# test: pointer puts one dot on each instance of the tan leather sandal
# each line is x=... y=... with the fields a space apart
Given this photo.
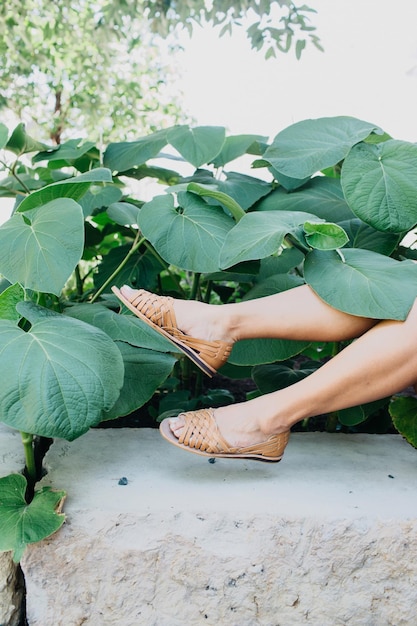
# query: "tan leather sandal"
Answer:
x=158 y=312
x=202 y=436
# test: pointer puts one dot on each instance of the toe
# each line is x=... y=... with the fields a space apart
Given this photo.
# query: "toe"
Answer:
x=176 y=425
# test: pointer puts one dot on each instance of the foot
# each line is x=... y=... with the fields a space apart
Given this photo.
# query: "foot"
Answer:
x=197 y=319
x=239 y=425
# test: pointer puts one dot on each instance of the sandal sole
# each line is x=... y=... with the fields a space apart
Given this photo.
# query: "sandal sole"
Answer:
x=205 y=367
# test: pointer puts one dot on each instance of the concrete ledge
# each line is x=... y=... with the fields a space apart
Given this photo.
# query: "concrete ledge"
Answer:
x=327 y=536
x=11 y=592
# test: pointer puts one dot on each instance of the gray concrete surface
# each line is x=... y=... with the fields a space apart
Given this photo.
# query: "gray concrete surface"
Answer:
x=327 y=536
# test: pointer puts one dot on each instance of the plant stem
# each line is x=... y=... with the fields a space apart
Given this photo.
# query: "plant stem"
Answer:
x=195 y=286
x=27 y=440
x=135 y=246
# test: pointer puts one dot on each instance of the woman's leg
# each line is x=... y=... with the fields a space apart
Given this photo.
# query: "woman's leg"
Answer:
x=294 y=314
x=381 y=362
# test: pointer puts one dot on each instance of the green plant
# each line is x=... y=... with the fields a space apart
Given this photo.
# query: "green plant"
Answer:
x=336 y=200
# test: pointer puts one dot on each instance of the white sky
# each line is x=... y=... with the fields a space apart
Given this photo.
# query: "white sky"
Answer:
x=368 y=70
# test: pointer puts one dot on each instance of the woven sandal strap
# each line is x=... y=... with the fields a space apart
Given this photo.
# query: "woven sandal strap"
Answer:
x=201 y=433
x=158 y=309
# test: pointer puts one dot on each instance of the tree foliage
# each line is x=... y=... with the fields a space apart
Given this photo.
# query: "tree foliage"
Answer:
x=106 y=65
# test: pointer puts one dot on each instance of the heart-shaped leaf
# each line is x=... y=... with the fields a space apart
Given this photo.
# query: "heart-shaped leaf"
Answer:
x=260 y=234
x=363 y=283
x=190 y=236
x=59 y=377
x=197 y=145
x=304 y=148
x=22 y=523
x=40 y=249
x=380 y=184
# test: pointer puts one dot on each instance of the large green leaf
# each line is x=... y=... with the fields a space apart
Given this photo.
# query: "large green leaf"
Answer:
x=74 y=188
x=126 y=154
x=363 y=283
x=59 y=377
x=41 y=249
x=22 y=523
x=234 y=147
x=260 y=234
x=145 y=371
x=197 y=145
x=304 y=148
x=380 y=184
x=403 y=411
x=322 y=196
x=190 y=236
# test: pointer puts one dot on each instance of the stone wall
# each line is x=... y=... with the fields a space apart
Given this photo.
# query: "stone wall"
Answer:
x=326 y=537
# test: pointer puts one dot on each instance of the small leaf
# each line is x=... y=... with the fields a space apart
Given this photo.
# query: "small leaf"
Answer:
x=325 y=236
x=403 y=411
x=22 y=523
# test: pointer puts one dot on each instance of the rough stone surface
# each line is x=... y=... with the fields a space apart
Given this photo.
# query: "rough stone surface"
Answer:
x=327 y=537
x=11 y=590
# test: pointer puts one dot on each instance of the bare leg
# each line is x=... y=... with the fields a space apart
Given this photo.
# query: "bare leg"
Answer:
x=381 y=362
x=294 y=314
